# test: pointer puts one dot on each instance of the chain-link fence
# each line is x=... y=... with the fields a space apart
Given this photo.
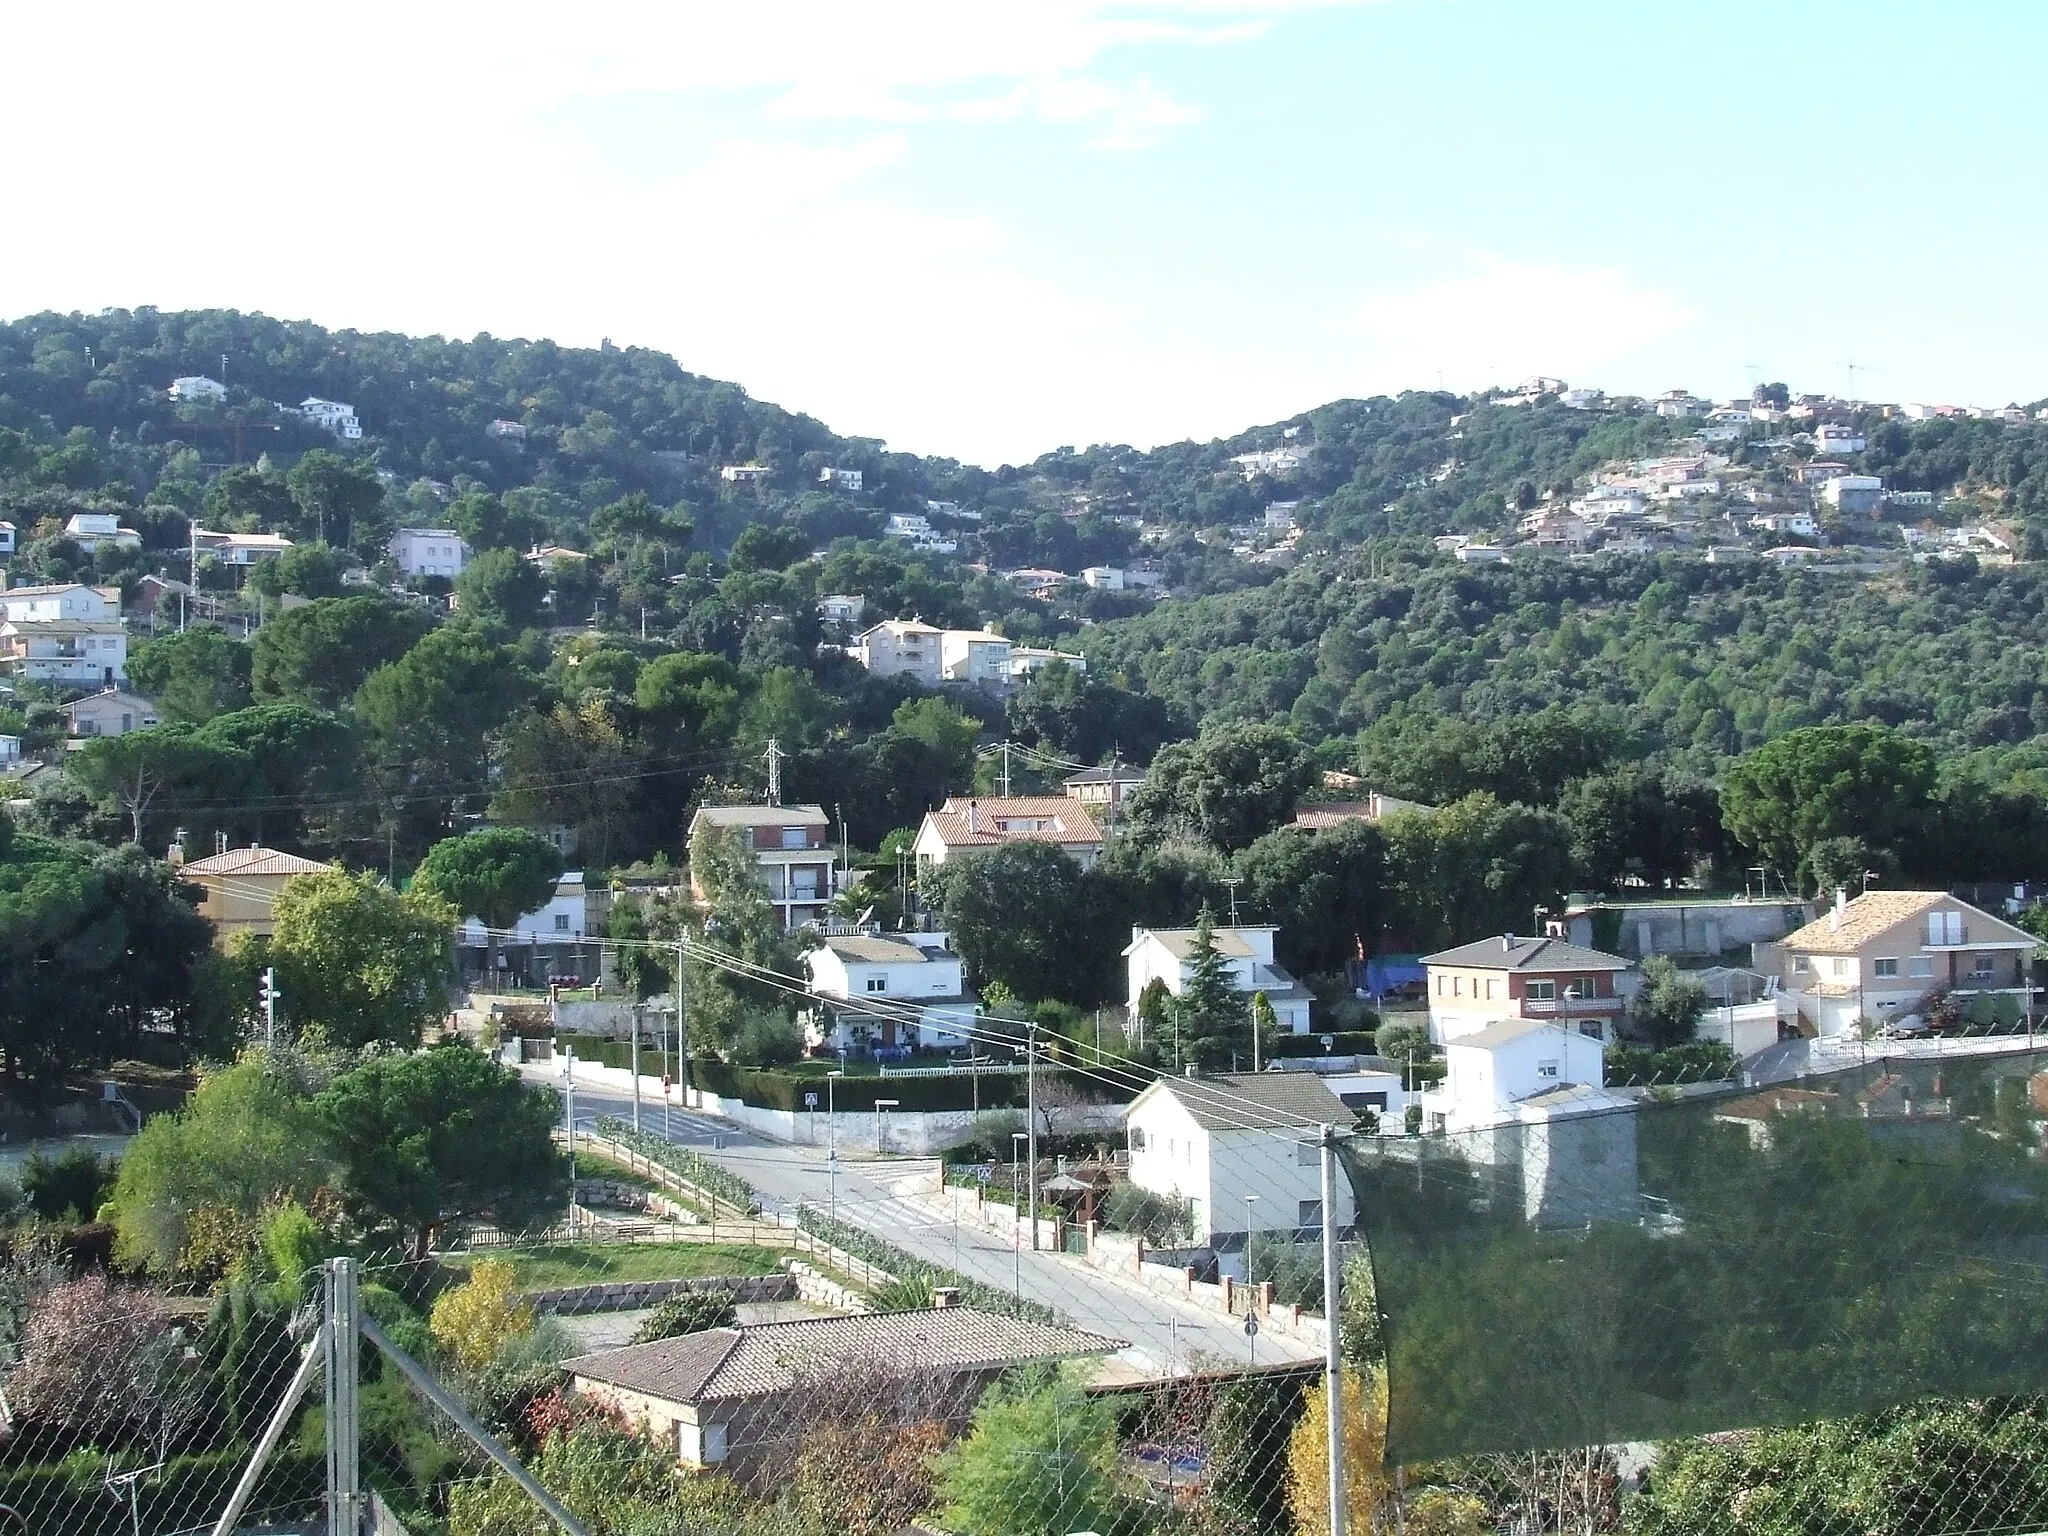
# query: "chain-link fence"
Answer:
x=1813 y=1306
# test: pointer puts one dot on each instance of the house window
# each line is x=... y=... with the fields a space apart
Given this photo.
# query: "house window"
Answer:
x=1981 y=967
x=1801 y=965
x=1489 y=989
x=1944 y=928
x=1547 y=1068
x=1308 y=1213
x=1457 y=986
x=1580 y=986
x=1307 y=1154
x=1839 y=966
x=1591 y=1029
x=1885 y=965
x=1542 y=990
x=1920 y=965
x=561 y=922
x=795 y=837
x=1137 y=1138
x=878 y=983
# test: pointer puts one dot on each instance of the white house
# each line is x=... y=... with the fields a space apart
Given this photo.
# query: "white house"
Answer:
x=841 y=479
x=1481 y=554
x=1365 y=1084
x=75 y=653
x=968 y=824
x=742 y=474
x=110 y=712
x=901 y=648
x=240 y=549
x=7 y=531
x=974 y=656
x=1830 y=437
x=1104 y=578
x=842 y=608
x=1492 y=1070
x=90 y=530
x=1272 y=461
x=1105 y=786
x=335 y=416
x=507 y=431
x=197 y=386
x=1853 y=493
x=1215 y=1140
x=1581 y=399
x=1167 y=955
x=65 y=600
x=1280 y=515
x=429 y=551
x=913 y=976
x=558 y=924
x=1798 y=523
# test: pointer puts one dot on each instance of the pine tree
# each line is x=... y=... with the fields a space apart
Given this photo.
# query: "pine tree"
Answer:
x=1211 y=1017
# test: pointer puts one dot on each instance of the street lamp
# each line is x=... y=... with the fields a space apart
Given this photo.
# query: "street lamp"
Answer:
x=1248 y=1201
x=1016 y=1243
x=832 y=1137
x=880 y=1105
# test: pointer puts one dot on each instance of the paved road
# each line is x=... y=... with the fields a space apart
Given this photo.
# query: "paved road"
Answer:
x=1166 y=1336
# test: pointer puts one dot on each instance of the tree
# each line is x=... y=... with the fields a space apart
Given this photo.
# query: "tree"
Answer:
x=297 y=758
x=306 y=570
x=577 y=766
x=691 y=697
x=244 y=1141
x=99 y=1364
x=472 y=1321
x=320 y=654
x=1476 y=866
x=1211 y=1019
x=1018 y=915
x=443 y=1136
x=503 y=586
x=1040 y=1457
x=363 y=962
x=193 y=675
x=334 y=493
x=641 y=967
x=1265 y=1026
x=1628 y=822
x=1366 y=1485
x=1227 y=786
x=137 y=768
x=1667 y=1006
x=1327 y=891
x=1862 y=781
x=495 y=874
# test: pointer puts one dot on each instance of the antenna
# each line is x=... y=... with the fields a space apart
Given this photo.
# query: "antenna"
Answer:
x=773 y=757
x=1234 y=882
x=1855 y=368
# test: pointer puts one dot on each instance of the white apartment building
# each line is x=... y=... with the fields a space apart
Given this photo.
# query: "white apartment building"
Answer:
x=976 y=656
x=792 y=849
x=841 y=479
x=66 y=600
x=336 y=416
x=71 y=653
x=429 y=551
x=1026 y=661
x=902 y=648
x=1831 y=437
x=90 y=530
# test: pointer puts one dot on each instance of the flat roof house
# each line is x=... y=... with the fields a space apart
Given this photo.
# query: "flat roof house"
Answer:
x=1107 y=785
x=1509 y=977
x=1211 y=1140
x=792 y=848
x=734 y=1398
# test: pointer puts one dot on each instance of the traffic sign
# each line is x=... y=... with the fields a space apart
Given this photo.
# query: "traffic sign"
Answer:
x=810 y=1101
x=1251 y=1326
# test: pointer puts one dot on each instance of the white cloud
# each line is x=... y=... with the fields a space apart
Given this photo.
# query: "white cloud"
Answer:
x=1504 y=320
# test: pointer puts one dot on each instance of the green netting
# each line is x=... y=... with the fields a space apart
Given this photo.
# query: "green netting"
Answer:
x=1634 y=1272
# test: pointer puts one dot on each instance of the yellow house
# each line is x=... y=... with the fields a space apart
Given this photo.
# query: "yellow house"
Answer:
x=242 y=887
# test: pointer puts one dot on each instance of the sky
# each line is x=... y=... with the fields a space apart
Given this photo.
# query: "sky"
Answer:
x=987 y=228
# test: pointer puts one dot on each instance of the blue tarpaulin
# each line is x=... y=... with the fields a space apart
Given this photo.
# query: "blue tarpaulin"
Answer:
x=1383 y=973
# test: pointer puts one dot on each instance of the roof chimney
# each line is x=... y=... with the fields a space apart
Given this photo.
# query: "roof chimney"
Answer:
x=945 y=1296
x=1507 y=941
x=974 y=816
x=1841 y=906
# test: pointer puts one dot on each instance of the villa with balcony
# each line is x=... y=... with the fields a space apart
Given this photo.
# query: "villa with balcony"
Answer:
x=1889 y=957
x=792 y=848
x=1513 y=977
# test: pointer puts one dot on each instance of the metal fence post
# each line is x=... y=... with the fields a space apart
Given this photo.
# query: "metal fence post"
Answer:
x=344 y=1492
x=1333 y=1356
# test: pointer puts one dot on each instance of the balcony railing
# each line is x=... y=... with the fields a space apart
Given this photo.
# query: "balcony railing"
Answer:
x=1542 y=1007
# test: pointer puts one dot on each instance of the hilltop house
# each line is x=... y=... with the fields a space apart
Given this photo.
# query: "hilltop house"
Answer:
x=1888 y=956
x=110 y=712
x=1105 y=786
x=239 y=549
x=1212 y=1140
x=197 y=386
x=1166 y=955
x=1478 y=984
x=976 y=656
x=429 y=551
x=889 y=990
x=792 y=848
x=93 y=530
x=901 y=648
x=65 y=600
x=1375 y=808
x=336 y=416
x=968 y=824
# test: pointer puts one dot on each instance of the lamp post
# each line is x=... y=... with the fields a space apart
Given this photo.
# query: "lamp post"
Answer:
x=1016 y=1243
x=1248 y=1202
x=832 y=1137
x=880 y=1105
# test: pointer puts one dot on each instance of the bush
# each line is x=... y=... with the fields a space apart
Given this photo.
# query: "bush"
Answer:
x=68 y=1188
x=472 y=1321
x=1696 y=1061
x=768 y=1040
x=1159 y=1219
x=687 y=1312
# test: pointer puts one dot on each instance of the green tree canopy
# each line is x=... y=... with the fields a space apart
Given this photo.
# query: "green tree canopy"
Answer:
x=333 y=494
x=1039 y=1458
x=363 y=962
x=503 y=586
x=320 y=654
x=1228 y=786
x=443 y=1135
x=1829 y=781
x=495 y=874
x=192 y=675
x=306 y=570
x=1019 y=918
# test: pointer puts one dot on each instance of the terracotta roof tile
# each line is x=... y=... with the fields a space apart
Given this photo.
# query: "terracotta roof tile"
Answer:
x=1071 y=825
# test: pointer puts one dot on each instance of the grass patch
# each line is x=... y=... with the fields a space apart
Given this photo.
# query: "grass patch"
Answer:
x=595 y=1165
x=564 y=1264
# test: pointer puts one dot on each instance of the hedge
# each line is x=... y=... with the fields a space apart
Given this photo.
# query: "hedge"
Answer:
x=71 y=1495
x=698 y=1169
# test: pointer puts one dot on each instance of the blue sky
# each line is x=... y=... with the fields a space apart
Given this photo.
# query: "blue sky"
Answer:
x=989 y=228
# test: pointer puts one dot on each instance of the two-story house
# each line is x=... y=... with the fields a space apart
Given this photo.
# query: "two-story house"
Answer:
x=92 y=530
x=1166 y=955
x=429 y=552
x=65 y=600
x=1511 y=977
x=1888 y=955
x=976 y=656
x=1214 y=1140
x=69 y=653
x=967 y=824
x=1105 y=786
x=792 y=848
x=110 y=712
x=241 y=887
x=887 y=990
x=901 y=648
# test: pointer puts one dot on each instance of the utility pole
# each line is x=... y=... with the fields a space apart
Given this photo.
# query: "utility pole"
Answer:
x=569 y=1111
x=636 y=1069
x=267 y=991
x=773 y=757
x=191 y=570
x=1031 y=1122
x=1006 y=770
x=1333 y=1357
x=344 y=1486
x=682 y=1032
x=1233 y=883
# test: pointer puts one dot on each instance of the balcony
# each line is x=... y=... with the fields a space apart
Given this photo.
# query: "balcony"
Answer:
x=1570 y=1007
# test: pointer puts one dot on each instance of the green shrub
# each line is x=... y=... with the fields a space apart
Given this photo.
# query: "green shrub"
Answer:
x=1159 y=1219
x=68 y=1187
x=687 y=1312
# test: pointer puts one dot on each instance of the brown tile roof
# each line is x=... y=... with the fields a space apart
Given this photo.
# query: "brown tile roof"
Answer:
x=771 y=1357
x=253 y=861
x=1072 y=826
x=1509 y=953
x=1875 y=913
